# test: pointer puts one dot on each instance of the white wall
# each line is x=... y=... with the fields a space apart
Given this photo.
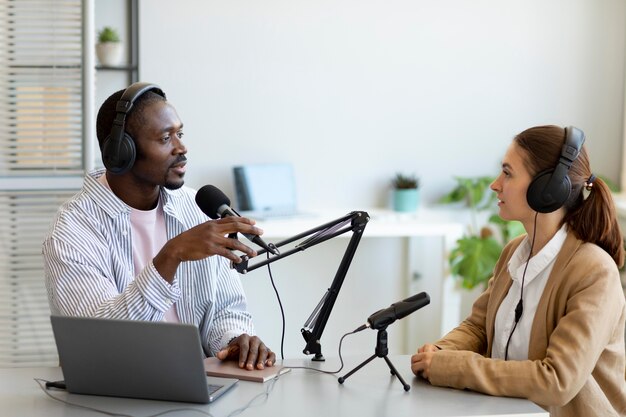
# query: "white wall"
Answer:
x=351 y=91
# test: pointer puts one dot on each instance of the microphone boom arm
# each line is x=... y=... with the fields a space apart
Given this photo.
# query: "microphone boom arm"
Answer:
x=314 y=327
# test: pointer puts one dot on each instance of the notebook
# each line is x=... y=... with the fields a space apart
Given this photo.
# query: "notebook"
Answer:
x=266 y=191
x=216 y=367
x=136 y=359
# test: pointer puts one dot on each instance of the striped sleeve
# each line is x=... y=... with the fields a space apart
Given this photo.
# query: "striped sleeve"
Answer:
x=82 y=280
x=88 y=268
x=231 y=317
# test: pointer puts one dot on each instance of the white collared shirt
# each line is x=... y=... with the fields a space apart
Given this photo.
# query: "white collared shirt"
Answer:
x=539 y=269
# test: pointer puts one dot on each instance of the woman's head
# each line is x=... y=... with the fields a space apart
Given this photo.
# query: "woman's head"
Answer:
x=593 y=219
x=548 y=152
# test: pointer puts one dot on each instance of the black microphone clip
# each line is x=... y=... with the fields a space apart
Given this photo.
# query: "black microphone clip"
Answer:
x=241 y=267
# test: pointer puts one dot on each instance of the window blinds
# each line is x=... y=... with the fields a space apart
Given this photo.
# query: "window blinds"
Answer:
x=25 y=332
x=41 y=82
x=41 y=129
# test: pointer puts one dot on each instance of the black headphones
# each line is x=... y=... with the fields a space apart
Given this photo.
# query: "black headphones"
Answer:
x=551 y=188
x=118 y=150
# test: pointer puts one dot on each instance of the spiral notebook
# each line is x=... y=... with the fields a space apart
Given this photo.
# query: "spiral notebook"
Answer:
x=231 y=369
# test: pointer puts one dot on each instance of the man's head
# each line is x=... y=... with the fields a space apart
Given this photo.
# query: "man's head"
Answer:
x=116 y=145
x=144 y=141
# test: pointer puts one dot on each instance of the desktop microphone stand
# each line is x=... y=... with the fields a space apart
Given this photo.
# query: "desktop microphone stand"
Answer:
x=315 y=324
x=381 y=351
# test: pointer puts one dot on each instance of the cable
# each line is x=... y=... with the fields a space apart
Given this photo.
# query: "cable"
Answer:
x=519 y=309
x=265 y=395
x=340 y=357
x=282 y=312
x=269 y=388
x=282 y=339
x=41 y=382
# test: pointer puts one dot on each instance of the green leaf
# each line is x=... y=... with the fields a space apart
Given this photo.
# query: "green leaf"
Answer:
x=474 y=257
x=473 y=260
x=513 y=230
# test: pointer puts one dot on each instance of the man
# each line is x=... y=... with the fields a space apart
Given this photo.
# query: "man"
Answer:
x=132 y=244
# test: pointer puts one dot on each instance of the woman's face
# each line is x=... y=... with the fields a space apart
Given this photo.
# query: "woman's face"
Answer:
x=511 y=185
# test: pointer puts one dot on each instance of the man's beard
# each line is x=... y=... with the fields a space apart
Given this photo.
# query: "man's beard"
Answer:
x=173 y=185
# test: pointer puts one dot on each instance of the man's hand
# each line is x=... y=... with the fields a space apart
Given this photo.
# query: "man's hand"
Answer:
x=206 y=239
x=250 y=351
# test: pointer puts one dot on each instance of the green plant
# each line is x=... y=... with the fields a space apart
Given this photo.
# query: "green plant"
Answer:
x=403 y=182
x=108 y=34
x=476 y=254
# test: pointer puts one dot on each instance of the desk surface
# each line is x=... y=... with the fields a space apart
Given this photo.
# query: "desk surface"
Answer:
x=383 y=223
x=371 y=391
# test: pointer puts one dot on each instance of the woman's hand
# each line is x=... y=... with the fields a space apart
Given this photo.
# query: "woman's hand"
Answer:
x=420 y=362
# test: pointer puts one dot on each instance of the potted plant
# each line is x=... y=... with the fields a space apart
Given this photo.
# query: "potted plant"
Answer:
x=109 y=47
x=476 y=253
x=405 y=192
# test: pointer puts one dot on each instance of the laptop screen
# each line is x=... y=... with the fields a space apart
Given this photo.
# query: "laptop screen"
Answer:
x=265 y=187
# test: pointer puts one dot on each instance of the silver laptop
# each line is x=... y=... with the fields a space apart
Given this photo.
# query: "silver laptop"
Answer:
x=136 y=359
x=266 y=191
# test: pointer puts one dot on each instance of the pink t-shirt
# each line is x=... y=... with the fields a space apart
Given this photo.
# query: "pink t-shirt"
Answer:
x=149 y=235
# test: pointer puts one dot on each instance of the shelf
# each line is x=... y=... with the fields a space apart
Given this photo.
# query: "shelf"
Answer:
x=128 y=15
x=117 y=68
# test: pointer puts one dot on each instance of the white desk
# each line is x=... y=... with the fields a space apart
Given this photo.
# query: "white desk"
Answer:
x=369 y=392
x=400 y=255
x=383 y=223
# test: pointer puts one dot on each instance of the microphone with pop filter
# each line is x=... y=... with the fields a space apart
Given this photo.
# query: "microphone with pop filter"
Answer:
x=215 y=204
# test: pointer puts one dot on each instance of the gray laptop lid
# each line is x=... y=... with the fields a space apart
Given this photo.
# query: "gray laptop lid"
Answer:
x=265 y=189
x=137 y=359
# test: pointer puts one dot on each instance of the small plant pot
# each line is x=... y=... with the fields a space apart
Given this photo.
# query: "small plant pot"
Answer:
x=109 y=53
x=405 y=200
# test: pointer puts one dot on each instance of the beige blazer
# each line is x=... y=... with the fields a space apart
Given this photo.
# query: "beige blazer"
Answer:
x=576 y=364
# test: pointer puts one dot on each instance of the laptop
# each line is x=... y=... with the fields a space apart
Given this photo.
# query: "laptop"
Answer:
x=266 y=191
x=135 y=359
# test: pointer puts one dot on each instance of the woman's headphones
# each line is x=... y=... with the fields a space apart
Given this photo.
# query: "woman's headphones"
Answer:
x=118 y=150
x=551 y=188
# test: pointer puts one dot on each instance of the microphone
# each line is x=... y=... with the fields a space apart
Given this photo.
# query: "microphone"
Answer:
x=214 y=203
x=386 y=316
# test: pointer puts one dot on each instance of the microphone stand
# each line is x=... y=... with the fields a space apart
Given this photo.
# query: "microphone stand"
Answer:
x=381 y=351
x=314 y=326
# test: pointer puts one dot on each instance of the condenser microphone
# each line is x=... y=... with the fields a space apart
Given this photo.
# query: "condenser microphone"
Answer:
x=214 y=203
x=396 y=311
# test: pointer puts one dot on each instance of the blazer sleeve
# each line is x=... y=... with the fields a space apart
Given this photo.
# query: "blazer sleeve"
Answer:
x=471 y=334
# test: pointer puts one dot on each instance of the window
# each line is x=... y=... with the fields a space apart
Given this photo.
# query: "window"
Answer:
x=42 y=160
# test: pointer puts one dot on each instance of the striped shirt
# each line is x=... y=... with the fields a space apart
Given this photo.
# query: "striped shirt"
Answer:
x=88 y=264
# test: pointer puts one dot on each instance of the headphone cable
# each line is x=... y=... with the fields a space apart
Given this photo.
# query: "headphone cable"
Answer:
x=519 y=309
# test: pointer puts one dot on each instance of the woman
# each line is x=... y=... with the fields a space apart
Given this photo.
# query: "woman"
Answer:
x=550 y=326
